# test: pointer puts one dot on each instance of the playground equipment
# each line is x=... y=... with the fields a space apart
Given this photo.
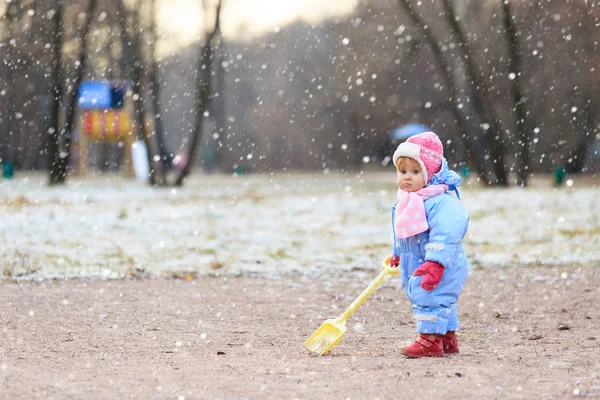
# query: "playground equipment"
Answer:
x=105 y=116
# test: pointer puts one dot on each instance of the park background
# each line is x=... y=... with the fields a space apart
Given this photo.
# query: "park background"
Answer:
x=261 y=206
x=301 y=86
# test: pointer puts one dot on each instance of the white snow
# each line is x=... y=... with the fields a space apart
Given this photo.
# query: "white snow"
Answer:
x=113 y=227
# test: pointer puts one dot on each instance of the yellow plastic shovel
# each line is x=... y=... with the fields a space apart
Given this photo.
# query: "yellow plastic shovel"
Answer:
x=330 y=333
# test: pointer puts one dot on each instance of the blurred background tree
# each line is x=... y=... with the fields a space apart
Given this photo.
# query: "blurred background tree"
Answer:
x=321 y=95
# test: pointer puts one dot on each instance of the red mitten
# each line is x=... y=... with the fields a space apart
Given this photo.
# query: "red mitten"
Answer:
x=433 y=274
x=395 y=261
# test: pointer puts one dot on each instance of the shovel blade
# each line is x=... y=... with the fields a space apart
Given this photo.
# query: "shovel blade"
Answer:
x=325 y=338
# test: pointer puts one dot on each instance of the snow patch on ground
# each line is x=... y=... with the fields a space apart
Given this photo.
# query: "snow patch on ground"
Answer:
x=111 y=227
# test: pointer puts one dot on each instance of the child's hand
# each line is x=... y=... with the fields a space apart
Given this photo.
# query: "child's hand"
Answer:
x=433 y=274
x=395 y=261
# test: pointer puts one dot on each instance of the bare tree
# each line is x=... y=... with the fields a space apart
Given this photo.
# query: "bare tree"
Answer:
x=56 y=77
x=122 y=18
x=472 y=154
x=203 y=91
x=165 y=160
x=17 y=66
x=3 y=79
x=586 y=117
x=58 y=172
x=11 y=61
x=482 y=104
x=519 y=100
x=138 y=74
x=218 y=105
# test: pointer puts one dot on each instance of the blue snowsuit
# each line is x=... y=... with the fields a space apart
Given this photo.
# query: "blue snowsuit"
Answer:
x=435 y=310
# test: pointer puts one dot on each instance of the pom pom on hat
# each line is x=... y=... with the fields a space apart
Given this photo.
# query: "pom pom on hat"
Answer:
x=426 y=149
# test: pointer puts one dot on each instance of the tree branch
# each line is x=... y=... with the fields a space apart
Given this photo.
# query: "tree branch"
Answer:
x=202 y=95
x=446 y=69
x=481 y=100
x=519 y=101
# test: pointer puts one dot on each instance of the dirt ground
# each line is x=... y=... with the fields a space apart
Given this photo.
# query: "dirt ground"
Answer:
x=526 y=333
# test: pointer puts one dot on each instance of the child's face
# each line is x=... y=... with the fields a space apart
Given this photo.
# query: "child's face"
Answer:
x=410 y=177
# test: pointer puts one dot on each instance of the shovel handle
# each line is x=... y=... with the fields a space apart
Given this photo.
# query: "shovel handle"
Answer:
x=382 y=277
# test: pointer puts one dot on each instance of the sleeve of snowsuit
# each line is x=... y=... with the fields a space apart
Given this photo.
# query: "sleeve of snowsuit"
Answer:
x=448 y=223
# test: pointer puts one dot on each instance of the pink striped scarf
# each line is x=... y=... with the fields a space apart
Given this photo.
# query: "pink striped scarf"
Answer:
x=410 y=218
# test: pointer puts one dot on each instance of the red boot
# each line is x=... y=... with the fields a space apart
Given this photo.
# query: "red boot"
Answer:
x=450 y=342
x=425 y=346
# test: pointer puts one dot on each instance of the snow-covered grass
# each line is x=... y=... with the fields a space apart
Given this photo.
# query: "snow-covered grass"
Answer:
x=112 y=227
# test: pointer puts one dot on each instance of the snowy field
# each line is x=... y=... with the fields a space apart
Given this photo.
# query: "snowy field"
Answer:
x=112 y=227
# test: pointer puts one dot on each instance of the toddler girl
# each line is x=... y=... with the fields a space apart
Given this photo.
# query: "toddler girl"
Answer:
x=428 y=225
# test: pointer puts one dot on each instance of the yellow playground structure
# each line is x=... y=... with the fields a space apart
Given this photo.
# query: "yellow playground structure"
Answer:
x=105 y=126
x=105 y=115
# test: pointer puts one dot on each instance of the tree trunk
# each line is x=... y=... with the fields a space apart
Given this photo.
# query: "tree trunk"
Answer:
x=3 y=83
x=585 y=122
x=165 y=159
x=482 y=104
x=218 y=105
x=203 y=84
x=478 y=164
x=57 y=73
x=66 y=133
x=125 y=60
x=138 y=73
x=11 y=57
x=519 y=101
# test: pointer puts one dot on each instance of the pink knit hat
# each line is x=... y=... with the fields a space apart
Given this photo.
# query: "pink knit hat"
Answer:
x=426 y=149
